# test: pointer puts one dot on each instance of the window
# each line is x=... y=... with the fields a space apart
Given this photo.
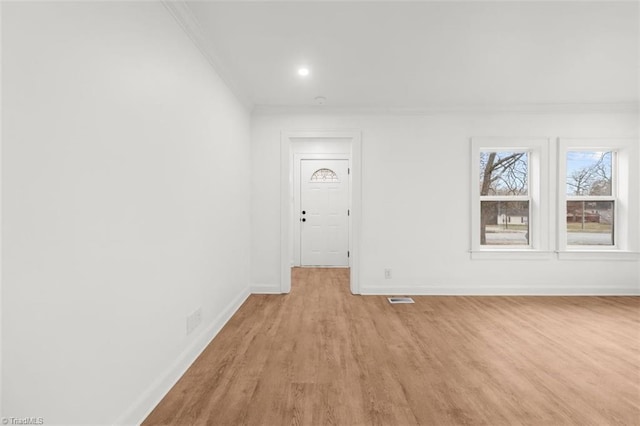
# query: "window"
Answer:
x=324 y=175
x=504 y=198
x=597 y=210
x=508 y=207
x=594 y=196
x=590 y=205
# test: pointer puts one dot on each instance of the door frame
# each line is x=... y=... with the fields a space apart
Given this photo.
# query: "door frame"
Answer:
x=297 y=199
x=287 y=191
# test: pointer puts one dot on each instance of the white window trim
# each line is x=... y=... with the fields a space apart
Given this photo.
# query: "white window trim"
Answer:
x=539 y=223
x=626 y=210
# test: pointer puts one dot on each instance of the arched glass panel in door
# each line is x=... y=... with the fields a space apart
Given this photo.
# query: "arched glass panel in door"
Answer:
x=324 y=175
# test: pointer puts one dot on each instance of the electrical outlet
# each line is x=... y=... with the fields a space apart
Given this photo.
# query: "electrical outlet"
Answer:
x=193 y=320
x=387 y=274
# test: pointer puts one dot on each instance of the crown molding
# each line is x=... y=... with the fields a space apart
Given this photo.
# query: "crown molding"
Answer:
x=184 y=16
x=405 y=1
x=549 y=108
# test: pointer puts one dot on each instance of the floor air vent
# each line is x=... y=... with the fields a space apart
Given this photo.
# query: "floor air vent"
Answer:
x=394 y=300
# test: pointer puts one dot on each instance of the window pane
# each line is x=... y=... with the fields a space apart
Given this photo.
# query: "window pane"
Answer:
x=324 y=175
x=590 y=223
x=504 y=223
x=588 y=173
x=504 y=173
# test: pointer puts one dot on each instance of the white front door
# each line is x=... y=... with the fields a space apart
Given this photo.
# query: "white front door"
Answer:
x=324 y=220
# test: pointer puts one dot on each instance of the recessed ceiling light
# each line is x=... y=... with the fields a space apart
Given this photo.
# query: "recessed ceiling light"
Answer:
x=303 y=72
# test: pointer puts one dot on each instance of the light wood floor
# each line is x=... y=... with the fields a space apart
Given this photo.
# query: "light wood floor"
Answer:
x=322 y=356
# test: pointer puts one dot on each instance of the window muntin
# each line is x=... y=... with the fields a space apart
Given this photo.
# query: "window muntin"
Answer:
x=590 y=198
x=505 y=204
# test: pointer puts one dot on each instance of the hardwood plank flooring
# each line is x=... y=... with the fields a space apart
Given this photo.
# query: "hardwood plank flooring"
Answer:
x=321 y=356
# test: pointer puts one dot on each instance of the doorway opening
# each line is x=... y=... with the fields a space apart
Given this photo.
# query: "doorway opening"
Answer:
x=320 y=203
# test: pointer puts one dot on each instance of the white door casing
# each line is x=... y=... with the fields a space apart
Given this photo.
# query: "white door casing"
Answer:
x=289 y=216
x=324 y=206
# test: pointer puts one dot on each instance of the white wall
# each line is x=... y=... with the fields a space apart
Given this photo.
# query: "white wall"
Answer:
x=125 y=184
x=416 y=203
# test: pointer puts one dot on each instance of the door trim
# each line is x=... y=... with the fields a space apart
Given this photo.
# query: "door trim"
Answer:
x=287 y=167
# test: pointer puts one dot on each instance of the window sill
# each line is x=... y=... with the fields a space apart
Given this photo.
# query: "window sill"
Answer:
x=598 y=255
x=511 y=254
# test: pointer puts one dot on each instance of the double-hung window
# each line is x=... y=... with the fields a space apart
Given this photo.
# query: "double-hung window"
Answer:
x=508 y=180
x=505 y=202
x=594 y=197
x=596 y=210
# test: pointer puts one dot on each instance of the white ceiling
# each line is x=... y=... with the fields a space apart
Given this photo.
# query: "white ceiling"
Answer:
x=425 y=54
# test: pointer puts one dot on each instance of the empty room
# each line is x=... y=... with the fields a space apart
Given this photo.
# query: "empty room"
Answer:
x=320 y=212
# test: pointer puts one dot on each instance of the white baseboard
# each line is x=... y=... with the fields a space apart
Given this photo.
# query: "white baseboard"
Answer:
x=497 y=291
x=143 y=406
x=265 y=289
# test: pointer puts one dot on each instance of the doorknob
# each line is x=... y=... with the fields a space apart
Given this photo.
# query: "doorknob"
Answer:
x=304 y=212
x=304 y=220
